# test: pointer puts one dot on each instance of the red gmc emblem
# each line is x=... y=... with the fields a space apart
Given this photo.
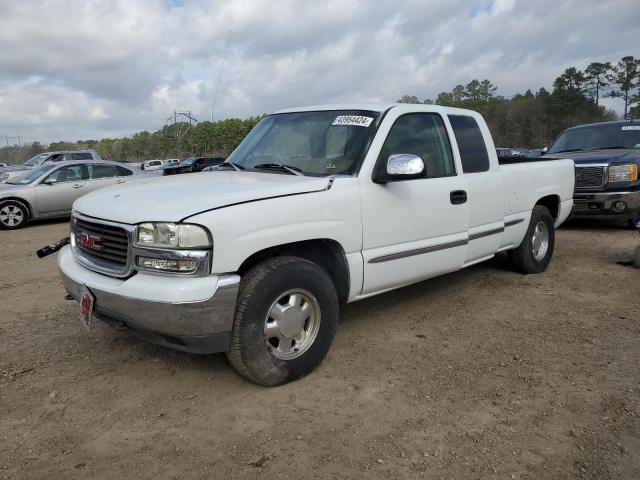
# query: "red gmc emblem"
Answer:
x=89 y=241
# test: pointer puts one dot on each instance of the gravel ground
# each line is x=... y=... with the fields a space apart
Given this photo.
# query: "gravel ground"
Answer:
x=483 y=373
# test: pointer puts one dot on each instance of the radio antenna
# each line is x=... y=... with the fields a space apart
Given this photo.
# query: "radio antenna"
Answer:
x=215 y=95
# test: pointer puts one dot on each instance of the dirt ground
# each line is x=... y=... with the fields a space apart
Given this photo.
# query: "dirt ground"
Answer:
x=484 y=373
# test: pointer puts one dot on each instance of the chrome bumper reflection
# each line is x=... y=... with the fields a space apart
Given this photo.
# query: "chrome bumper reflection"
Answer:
x=211 y=316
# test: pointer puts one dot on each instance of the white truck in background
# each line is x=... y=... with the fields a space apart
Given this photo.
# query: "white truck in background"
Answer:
x=318 y=206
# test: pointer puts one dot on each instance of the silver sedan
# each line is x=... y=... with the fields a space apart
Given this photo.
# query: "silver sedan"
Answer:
x=49 y=191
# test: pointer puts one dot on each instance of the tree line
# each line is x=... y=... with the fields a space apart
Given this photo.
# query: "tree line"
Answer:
x=525 y=120
x=534 y=119
x=176 y=140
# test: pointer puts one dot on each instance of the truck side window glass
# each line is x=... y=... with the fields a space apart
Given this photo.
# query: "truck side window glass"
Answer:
x=473 y=151
x=424 y=135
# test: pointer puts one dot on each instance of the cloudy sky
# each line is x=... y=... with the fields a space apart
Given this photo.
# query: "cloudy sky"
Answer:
x=77 y=69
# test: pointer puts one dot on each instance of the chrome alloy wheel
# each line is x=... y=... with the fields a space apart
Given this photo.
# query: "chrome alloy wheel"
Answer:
x=540 y=241
x=11 y=215
x=292 y=324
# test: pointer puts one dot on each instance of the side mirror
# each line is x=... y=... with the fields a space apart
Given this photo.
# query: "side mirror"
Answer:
x=50 y=181
x=401 y=166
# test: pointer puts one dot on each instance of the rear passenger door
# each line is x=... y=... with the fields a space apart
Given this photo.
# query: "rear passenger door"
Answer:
x=485 y=191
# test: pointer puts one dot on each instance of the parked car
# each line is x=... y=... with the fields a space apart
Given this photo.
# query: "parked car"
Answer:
x=536 y=152
x=49 y=190
x=79 y=155
x=2 y=164
x=171 y=162
x=152 y=165
x=607 y=158
x=506 y=152
x=316 y=207
x=194 y=164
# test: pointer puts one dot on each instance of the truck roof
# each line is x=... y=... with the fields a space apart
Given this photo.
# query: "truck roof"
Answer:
x=374 y=107
x=607 y=124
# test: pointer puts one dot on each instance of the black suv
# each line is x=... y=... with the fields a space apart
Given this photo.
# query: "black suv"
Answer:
x=194 y=164
x=607 y=158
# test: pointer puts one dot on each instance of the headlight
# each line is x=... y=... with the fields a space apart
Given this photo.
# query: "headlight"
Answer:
x=172 y=235
x=176 y=248
x=623 y=173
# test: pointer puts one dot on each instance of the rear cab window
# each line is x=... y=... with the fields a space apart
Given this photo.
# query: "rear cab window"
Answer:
x=471 y=144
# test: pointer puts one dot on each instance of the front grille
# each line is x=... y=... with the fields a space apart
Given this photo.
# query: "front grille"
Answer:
x=590 y=177
x=110 y=252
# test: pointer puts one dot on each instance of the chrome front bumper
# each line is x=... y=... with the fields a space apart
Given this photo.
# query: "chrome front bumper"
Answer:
x=601 y=203
x=188 y=314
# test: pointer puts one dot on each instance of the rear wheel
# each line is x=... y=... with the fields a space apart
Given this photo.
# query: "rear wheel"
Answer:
x=13 y=215
x=535 y=252
x=285 y=321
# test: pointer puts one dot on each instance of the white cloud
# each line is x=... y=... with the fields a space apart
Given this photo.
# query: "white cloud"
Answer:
x=96 y=68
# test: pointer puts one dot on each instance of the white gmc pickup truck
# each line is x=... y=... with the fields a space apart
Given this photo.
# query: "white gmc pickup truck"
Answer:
x=318 y=206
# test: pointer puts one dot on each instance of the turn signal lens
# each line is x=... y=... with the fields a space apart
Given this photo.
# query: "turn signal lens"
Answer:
x=167 y=265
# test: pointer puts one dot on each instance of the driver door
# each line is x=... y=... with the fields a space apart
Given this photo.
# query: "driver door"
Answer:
x=57 y=192
x=414 y=229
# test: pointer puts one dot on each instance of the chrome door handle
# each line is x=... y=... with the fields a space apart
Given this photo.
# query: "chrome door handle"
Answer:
x=120 y=181
x=78 y=186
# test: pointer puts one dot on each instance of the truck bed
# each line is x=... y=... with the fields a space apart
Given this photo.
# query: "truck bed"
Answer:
x=518 y=159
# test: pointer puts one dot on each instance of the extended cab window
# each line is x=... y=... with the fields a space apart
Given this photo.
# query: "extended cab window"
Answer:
x=124 y=172
x=424 y=135
x=473 y=150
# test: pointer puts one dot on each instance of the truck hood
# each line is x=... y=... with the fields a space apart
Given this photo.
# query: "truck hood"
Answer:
x=613 y=156
x=174 y=198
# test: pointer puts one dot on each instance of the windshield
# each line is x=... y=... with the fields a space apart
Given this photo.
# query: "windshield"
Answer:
x=188 y=161
x=315 y=143
x=33 y=161
x=32 y=175
x=597 y=137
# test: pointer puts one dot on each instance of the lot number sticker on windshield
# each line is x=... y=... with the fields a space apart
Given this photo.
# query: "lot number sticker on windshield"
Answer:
x=628 y=127
x=355 y=120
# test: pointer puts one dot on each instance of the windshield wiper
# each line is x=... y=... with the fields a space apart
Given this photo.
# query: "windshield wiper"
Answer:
x=236 y=166
x=279 y=166
x=614 y=147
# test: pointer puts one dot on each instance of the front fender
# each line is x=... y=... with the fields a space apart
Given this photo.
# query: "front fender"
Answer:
x=239 y=231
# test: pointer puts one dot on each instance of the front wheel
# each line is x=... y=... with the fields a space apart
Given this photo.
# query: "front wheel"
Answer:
x=13 y=215
x=285 y=321
x=535 y=252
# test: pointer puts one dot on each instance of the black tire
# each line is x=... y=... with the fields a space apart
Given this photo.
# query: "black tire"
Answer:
x=523 y=258
x=13 y=215
x=265 y=283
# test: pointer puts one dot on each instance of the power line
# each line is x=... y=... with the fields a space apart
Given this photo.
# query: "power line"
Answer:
x=224 y=58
